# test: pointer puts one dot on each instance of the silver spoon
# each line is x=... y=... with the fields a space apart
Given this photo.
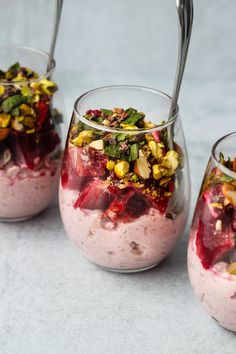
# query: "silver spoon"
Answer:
x=59 y=4
x=185 y=13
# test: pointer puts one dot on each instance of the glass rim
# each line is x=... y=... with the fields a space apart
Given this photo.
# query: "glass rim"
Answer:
x=120 y=130
x=32 y=50
x=216 y=160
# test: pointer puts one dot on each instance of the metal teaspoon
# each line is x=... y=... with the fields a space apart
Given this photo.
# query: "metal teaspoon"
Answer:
x=185 y=13
x=59 y=4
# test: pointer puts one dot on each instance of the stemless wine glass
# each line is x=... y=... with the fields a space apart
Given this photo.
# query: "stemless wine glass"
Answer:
x=212 y=243
x=30 y=151
x=124 y=191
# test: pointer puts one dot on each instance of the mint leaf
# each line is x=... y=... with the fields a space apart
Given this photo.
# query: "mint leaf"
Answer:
x=108 y=112
x=120 y=137
x=113 y=151
x=226 y=179
x=14 y=68
x=12 y=102
x=129 y=111
x=134 y=118
x=99 y=120
x=133 y=152
x=221 y=158
x=15 y=112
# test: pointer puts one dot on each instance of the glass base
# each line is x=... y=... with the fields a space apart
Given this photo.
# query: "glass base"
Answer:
x=23 y=218
x=128 y=271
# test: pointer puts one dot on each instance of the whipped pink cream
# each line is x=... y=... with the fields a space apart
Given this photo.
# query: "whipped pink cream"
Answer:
x=135 y=245
x=215 y=288
x=24 y=193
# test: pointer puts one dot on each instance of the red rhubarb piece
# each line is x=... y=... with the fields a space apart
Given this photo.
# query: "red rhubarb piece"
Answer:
x=87 y=162
x=127 y=206
x=212 y=246
x=157 y=136
x=94 y=196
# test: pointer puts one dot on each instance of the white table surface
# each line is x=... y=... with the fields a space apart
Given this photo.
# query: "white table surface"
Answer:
x=52 y=300
x=55 y=301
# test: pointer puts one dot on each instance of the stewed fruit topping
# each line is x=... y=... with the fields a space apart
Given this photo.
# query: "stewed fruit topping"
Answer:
x=216 y=209
x=27 y=120
x=122 y=173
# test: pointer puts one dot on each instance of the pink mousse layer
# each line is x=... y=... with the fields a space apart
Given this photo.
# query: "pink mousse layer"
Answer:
x=141 y=243
x=24 y=193
x=215 y=288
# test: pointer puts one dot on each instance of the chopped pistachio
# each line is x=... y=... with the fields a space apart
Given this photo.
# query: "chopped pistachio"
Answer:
x=106 y=122
x=2 y=90
x=156 y=172
x=84 y=137
x=5 y=158
x=217 y=205
x=4 y=133
x=19 y=77
x=27 y=110
x=128 y=126
x=172 y=157
x=4 y=120
x=148 y=125
x=218 y=225
x=118 y=110
x=36 y=98
x=141 y=168
x=155 y=149
x=145 y=151
x=226 y=202
x=121 y=168
x=229 y=191
x=110 y=165
x=97 y=144
x=232 y=268
x=29 y=121
x=167 y=194
x=26 y=91
x=149 y=137
x=47 y=86
x=17 y=125
x=161 y=145
x=165 y=181
x=30 y=131
x=36 y=87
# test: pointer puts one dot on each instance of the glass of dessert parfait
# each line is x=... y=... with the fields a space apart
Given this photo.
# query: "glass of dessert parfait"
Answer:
x=29 y=137
x=124 y=190
x=212 y=243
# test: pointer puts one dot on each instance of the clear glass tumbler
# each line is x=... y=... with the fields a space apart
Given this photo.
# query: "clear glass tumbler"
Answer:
x=30 y=150
x=212 y=243
x=124 y=190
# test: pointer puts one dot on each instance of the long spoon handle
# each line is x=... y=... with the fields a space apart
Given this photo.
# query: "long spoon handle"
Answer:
x=185 y=14
x=59 y=4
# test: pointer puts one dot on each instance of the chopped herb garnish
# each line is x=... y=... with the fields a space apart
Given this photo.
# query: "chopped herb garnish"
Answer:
x=113 y=151
x=107 y=112
x=121 y=137
x=221 y=158
x=13 y=101
x=134 y=118
x=226 y=179
x=14 y=69
x=133 y=152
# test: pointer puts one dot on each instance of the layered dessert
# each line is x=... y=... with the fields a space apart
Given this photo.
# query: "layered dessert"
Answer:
x=121 y=190
x=29 y=143
x=212 y=245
